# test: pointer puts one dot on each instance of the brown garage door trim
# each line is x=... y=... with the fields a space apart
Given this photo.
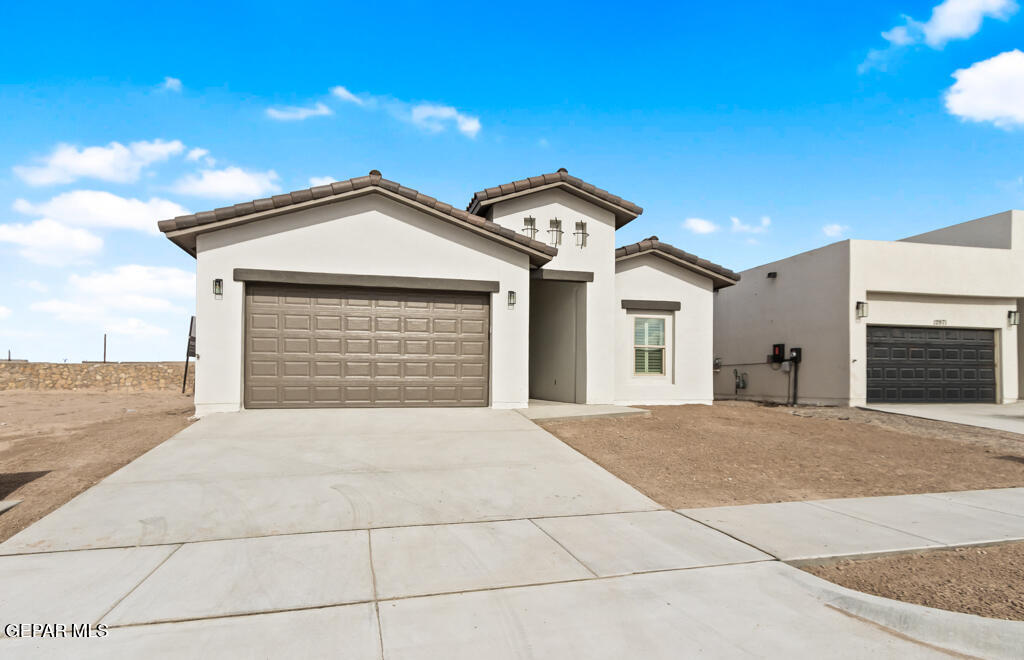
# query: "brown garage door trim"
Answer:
x=375 y=281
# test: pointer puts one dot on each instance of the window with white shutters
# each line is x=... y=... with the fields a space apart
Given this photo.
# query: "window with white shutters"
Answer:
x=648 y=346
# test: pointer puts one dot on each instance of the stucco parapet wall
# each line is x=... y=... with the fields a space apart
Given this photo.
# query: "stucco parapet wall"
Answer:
x=182 y=230
x=721 y=275
x=117 y=376
x=624 y=210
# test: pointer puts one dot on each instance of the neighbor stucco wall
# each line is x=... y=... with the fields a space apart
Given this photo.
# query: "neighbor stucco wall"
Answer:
x=805 y=306
x=688 y=333
x=993 y=231
x=369 y=235
x=597 y=257
x=917 y=284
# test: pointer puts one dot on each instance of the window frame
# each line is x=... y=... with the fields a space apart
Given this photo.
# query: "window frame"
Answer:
x=663 y=347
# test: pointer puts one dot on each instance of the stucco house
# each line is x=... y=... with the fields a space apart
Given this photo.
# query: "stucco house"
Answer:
x=930 y=318
x=367 y=293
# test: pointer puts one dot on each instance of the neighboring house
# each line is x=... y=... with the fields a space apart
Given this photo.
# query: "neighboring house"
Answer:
x=367 y=293
x=931 y=318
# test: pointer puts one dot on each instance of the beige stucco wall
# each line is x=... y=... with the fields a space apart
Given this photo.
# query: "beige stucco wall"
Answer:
x=805 y=306
x=916 y=282
x=688 y=333
x=999 y=230
x=369 y=235
x=910 y=283
x=597 y=257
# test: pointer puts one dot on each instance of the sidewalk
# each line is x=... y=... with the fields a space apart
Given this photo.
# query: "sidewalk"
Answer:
x=861 y=526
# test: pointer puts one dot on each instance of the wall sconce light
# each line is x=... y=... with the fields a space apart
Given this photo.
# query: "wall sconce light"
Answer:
x=581 y=234
x=1013 y=317
x=511 y=299
x=862 y=310
x=772 y=275
x=218 y=288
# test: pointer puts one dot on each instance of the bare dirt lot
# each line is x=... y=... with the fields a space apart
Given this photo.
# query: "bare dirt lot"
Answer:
x=984 y=581
x=54 y=445
x=745 y=453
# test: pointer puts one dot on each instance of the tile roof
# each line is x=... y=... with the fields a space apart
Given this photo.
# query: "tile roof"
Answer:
x=624 y=210
x=374 y=179
x=725 y=277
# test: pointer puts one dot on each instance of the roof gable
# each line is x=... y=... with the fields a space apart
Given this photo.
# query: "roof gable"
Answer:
x=719 y=275
x=624 y=211
x=183 y=230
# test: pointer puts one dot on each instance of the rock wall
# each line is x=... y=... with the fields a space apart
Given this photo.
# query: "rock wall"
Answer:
x=119 y=376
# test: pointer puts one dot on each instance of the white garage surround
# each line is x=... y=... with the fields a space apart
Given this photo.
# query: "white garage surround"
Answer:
x=369 y=235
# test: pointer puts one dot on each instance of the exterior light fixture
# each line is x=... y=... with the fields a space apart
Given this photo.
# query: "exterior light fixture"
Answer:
x=530 y=226
x=1013 y=317
x=511 y=299
x=862 y=310
x=772 y=274
x=581 y=234
x=218 y=287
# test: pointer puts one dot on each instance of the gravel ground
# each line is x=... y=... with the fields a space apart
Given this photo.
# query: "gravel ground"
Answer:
x=988 y=581
x=745 y=453
x=54 y=445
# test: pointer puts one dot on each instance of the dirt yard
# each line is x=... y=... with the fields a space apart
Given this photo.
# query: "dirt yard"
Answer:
x=744 y=453
x=977 y=580
x=54 y=445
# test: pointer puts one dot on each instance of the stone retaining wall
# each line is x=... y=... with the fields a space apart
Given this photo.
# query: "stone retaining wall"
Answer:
x=119 y=376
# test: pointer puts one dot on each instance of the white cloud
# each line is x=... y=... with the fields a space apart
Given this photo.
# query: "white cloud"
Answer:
x=50 y=243
x=195 y=155
x=5 y=312
x=991 y=90
x=321 y=180
x=834 y=230
x=227 y=183
x=434 y=118
x=34 y=285
x=700 y=226
x=760 y=228
x=430 y=117
x=295 y=113
x=952 y=20
x=343 y=94
x=103 y=298
x=114 y=162
x=171 y=84
x=97 y=208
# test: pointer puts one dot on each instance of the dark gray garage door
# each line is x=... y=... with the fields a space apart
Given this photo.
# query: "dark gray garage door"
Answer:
x=917 y=365
x=325 y=347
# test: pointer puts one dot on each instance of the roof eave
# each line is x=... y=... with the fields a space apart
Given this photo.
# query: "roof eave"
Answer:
x=718 y=280
x=185 y=238
x=622 y=215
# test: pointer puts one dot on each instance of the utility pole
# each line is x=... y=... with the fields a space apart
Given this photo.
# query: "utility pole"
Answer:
x=104 y=348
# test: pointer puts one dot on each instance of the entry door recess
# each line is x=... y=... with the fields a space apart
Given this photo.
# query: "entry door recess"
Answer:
x=326 y=347
x=925 y=365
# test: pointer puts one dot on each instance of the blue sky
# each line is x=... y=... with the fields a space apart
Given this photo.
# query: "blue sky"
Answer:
x=747 y=133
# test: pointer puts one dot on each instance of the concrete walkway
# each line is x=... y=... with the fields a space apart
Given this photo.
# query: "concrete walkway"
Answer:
x=1002 y=417
x=539 y=410
x=863 y=526
x=412 y=534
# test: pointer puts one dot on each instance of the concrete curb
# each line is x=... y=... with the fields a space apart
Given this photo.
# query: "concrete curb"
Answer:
x=8 y=504
x=963 y=633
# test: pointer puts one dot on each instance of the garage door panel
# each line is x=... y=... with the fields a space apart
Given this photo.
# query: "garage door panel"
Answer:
x=332 y=347
x=930 y=365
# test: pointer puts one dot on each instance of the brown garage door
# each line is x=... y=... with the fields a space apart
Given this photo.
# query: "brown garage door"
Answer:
x=328 y=347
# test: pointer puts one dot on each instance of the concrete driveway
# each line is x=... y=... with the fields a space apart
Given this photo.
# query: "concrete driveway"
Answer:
x=999 y=416
x=401 y=534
